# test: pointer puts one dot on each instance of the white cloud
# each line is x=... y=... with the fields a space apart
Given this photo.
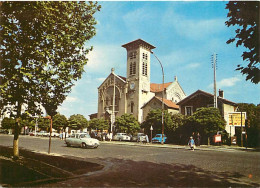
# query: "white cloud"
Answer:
x=193 y=65
x=71 y=99
x=103 y=57
x=226 y=82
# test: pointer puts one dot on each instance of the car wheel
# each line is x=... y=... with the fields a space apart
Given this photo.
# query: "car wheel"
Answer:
x=120 y=139
x=68 y=144
x=84 y=145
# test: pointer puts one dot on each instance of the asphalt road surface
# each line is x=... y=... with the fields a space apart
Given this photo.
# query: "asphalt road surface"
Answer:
x=154 y=166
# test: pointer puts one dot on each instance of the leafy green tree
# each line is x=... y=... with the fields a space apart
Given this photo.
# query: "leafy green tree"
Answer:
x=77 y=122
x=173 y=130
x=154 y=119
x=127 y=123
x=8 y=123
x=59 y=122
x=42 y=53
x=207 y=121
x=245 y=15
x=99 y=124
x=252 y=123
x=44 y=124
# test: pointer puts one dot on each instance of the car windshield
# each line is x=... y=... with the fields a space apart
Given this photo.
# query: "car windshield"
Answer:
x=85 y=136
x=158 y=135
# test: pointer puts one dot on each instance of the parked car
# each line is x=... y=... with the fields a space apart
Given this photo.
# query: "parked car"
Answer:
x=83 y=140
x=53 y=134
x=140 y=137
x=121 y=137
x=158 y=138
x=3 y=131
x=41 y=133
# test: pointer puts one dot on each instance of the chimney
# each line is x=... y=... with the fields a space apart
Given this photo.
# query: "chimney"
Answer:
x=221 y=94
x=175 y=78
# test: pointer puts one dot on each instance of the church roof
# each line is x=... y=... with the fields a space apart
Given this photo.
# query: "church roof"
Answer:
x=166 y=102
x=138 y=42
x=158 y=87
x=123 y=78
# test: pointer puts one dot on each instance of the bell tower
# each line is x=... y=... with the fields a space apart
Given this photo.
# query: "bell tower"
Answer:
x=138 y=76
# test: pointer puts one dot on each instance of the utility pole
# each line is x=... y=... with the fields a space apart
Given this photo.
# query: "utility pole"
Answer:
x=214 y=65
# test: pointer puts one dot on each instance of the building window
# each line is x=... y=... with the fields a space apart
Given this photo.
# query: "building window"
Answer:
x=144 y=69
x=145 y=56
x=188 y=110
x=132 y=68
x=132 y=55
x=132 y=107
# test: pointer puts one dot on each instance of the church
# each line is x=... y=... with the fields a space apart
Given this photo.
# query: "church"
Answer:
x=135 y=94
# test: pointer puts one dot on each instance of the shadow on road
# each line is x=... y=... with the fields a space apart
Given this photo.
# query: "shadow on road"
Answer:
x=35 y=169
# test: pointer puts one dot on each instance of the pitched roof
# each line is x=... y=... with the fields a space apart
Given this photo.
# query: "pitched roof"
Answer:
x=166 y=102
x=123 y=78
x=198 y=92
x=158 y=87
x=138 y=42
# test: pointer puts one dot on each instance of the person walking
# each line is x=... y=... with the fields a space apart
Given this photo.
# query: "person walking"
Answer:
x=191 y=143
x=198 y=140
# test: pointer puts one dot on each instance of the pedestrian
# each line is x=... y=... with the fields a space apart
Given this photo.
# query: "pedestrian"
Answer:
x=198 y=140
x=191 y=143
x=146 y=138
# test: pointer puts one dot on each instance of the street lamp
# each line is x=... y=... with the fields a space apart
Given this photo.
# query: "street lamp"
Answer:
x=162 y=96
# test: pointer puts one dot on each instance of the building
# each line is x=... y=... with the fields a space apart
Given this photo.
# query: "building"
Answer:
x=129 y=94
x=201 y=99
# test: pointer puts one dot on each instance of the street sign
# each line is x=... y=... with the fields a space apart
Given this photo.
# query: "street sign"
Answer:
x=234 y=118
x=151 y=128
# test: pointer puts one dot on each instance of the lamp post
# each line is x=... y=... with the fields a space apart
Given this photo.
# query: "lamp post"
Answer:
x=162 y=97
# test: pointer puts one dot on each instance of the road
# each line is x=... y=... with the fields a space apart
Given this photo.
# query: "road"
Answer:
x=239 y=168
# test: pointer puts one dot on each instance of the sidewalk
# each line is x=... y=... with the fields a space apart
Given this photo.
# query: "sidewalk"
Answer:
x=173 y=146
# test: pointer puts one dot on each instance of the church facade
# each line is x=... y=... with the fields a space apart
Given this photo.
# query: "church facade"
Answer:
x=133 y=93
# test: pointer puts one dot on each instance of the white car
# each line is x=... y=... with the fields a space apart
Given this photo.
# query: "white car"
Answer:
x=121 y=136
x=83 y=140
x=53 y=134
x=41 y=133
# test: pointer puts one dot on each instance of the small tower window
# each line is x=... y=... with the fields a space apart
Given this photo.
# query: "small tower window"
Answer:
x=132 y=107
x=145 y=56
x=144 y=69
x=132 y=68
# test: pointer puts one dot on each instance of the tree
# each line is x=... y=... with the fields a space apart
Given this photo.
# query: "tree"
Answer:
x=77 y=122
x=252 y=123
x=59 y=122
x=207 y=121
x=99 y=124
x=127 y=123
x=8 y=123
x=154 y=119
x=42 y=53
x=43 y=123
x=245 y=14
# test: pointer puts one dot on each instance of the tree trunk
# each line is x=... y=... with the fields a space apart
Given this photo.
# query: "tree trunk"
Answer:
x=16 y=149
x=17 y=132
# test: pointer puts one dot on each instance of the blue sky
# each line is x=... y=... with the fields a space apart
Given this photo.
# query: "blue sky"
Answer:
x=185 y=35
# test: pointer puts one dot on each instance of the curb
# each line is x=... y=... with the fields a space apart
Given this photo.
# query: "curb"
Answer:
x=202 y=147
